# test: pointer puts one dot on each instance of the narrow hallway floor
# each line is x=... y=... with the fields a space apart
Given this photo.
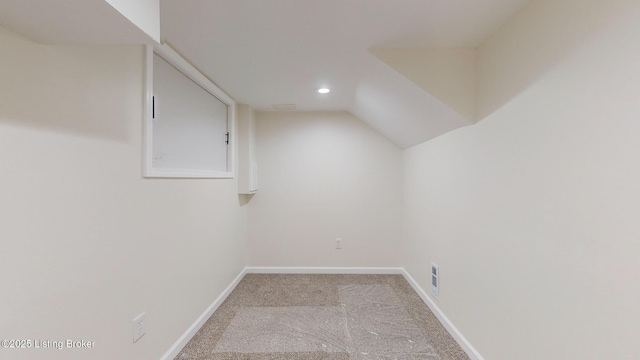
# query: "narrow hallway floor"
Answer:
x=333 y=317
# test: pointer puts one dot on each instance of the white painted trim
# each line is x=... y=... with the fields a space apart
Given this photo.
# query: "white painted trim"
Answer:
x=173 y=58
x=444 y=320
x=193 y=329
x=323 y=270
x=147 y=129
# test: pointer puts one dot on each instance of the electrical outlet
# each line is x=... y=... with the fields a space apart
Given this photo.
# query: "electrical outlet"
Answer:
x=138 y=327
x=338 y=243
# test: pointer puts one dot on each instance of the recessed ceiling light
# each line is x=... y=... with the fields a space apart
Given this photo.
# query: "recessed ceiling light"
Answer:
x=323 y=90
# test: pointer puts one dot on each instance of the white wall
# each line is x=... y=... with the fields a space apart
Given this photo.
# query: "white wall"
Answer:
x=87 y=243
x=532 y=214
x=324 y=175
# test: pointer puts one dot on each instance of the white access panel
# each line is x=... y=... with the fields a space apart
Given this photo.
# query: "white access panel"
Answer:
x=190 y=130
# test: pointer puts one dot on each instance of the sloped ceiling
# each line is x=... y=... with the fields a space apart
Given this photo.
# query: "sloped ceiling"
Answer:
x=449 y=74
x=83 y=21
x=278 y=51
x=391 y=63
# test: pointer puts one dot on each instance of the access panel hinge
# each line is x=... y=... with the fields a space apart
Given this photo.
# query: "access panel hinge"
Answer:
x=227 y=138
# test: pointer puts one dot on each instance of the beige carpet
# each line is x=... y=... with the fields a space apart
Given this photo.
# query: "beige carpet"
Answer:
x=333 y=317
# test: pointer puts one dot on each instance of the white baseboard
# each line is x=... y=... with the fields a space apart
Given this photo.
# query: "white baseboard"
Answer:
x=323 y=270
x=193 y=329
x=457 y=335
